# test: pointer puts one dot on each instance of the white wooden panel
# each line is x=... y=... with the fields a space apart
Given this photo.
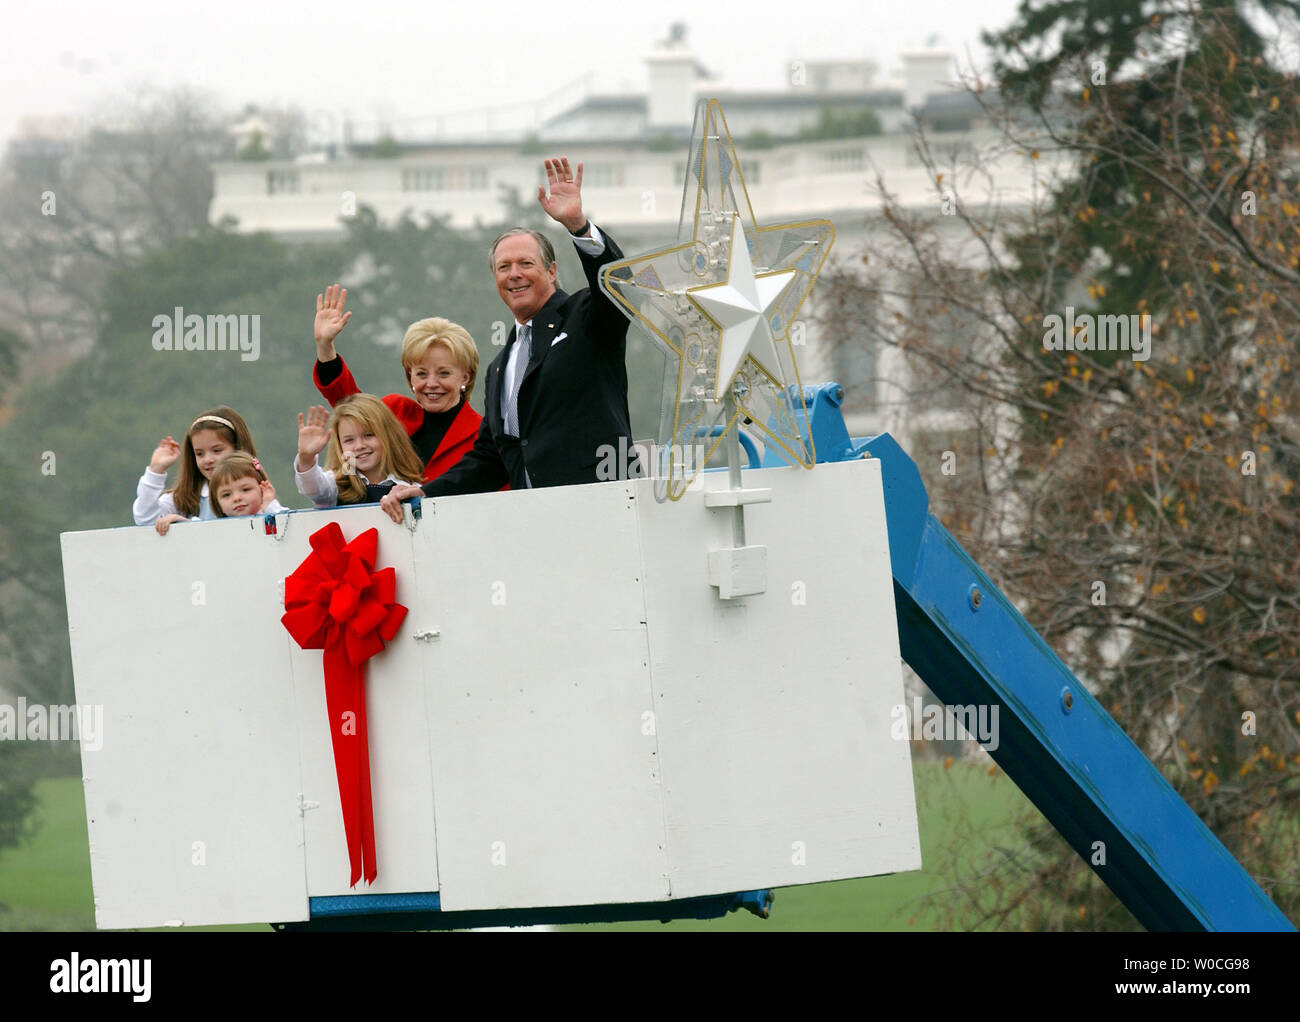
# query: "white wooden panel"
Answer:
x=172 y=637
x=538 y=690
x=567 y=617
x=401 y=778
x=773 y=709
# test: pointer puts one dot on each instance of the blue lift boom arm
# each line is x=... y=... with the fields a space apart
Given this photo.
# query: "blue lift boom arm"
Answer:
x=970 y=645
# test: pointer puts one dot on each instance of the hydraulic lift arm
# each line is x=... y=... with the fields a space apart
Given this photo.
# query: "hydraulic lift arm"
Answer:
x=970 y=645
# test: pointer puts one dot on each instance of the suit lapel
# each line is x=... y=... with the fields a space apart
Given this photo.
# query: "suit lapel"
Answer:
x=496 y=379
x=547 y=325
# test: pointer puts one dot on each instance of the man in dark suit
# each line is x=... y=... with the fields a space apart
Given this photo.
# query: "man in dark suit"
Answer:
x=554 y=399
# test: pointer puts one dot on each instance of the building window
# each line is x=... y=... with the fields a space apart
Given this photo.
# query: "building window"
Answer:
x=854 y=349
x=947 y=332
x=603 y=175
x=944 y=154
x=854 y=360
x=751 y=169
x=282 y=182
x=950 y=122
x=844 y=161
x=444 y=179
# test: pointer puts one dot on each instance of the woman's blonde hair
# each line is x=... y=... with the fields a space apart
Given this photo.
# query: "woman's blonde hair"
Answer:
x=398 y=458
x=233 y=466
x=425 y=333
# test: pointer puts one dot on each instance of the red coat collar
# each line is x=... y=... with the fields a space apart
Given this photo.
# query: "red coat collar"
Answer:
x=465 y=425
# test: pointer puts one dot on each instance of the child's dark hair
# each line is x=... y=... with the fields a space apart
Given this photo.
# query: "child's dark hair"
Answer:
x=233 y=466
x=230 y=426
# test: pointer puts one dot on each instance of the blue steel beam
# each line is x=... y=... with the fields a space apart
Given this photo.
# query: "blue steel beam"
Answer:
x=423 y=911
x=970 y=645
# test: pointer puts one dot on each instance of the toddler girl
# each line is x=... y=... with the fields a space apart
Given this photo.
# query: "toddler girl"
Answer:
x=239 y=487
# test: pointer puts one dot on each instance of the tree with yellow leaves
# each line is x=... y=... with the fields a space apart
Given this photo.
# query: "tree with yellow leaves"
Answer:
x=1140 y=510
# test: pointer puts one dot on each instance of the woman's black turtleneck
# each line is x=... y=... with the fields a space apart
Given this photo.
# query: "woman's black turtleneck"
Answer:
x=434 y=427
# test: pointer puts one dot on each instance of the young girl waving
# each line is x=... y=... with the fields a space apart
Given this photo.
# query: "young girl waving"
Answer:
x=239 y=487
x=211 y=436
x=369 y=453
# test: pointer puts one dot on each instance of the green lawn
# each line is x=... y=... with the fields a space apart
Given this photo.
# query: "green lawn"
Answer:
x=45 y=884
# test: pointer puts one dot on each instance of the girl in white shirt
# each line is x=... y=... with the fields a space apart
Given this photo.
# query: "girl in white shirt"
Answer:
x=239 y=488
x=369 y=453
x=213 y=435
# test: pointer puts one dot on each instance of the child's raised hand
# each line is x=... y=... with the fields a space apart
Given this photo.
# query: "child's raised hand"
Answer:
x=268 y=494
x=165 y=455
x=313 y=435
x=330 y=317
x=165 y=522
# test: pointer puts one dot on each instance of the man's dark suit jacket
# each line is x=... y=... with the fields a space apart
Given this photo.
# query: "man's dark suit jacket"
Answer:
x=573 y=399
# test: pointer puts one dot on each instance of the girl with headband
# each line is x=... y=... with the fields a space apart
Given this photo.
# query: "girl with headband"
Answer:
x=214 y=434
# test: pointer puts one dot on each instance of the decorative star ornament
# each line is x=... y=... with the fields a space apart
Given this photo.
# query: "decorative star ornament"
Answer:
x=723 y=304
x=740 y=307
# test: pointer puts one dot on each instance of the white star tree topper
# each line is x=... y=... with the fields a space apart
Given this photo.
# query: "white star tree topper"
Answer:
x=741 y=306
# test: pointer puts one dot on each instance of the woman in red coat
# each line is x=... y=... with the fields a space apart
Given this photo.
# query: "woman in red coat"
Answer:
x=440 y=360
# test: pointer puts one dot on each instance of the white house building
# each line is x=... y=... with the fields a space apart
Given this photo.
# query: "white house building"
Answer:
x=633 y=146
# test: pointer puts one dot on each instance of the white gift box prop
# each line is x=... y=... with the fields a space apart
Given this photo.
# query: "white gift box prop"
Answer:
x=571 y=714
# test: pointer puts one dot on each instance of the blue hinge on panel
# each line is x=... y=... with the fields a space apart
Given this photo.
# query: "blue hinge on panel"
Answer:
x=828 y=435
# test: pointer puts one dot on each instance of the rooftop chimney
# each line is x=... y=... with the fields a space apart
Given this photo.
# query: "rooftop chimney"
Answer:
x=925 y=73
x=672 y=73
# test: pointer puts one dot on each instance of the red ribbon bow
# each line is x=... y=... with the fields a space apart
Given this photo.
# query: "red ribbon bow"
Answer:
x=335 y=602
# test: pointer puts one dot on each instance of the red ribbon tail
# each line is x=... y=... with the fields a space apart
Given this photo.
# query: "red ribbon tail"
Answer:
x=371 y=868
x=345 y=703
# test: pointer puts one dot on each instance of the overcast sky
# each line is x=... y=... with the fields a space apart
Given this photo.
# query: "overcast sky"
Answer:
x=403 y=63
